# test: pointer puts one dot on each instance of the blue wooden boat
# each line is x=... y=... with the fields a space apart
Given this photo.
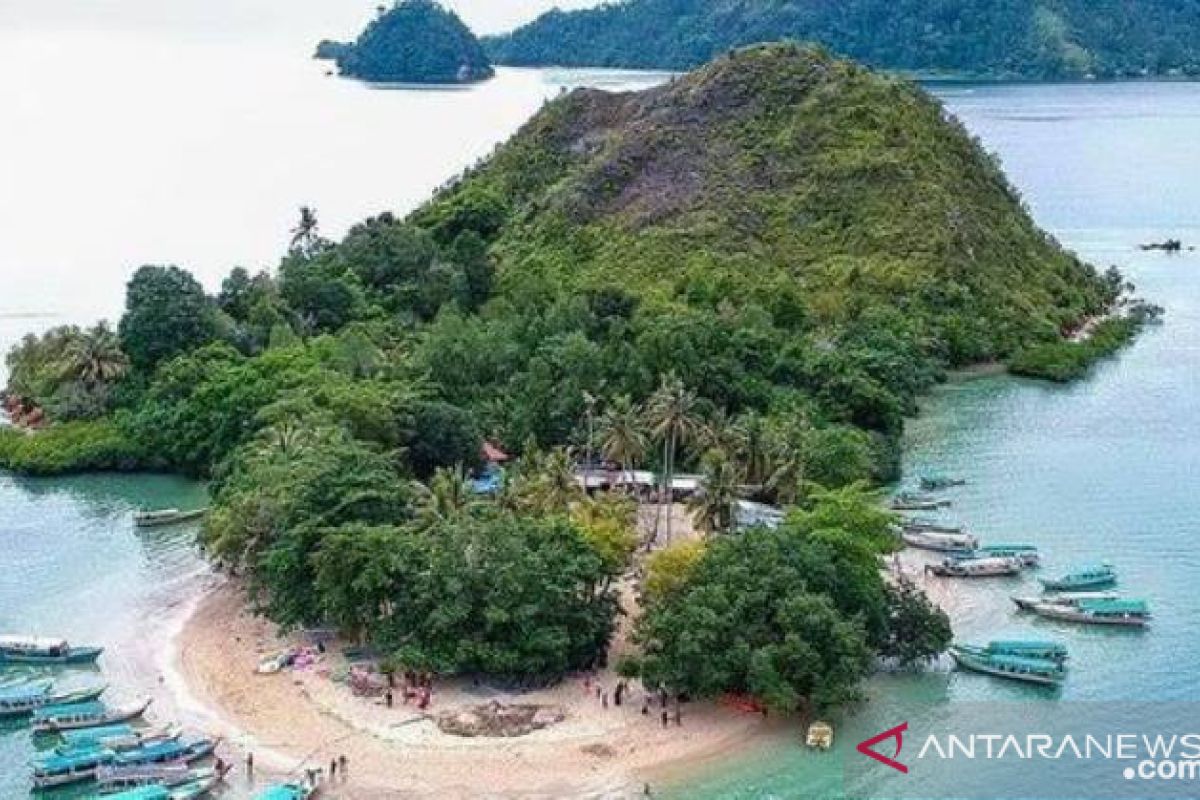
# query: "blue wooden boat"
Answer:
x=112 y=778
x=1028 y=648
x=1027 y=554
x=288 y=791
x=35 y=650
x=1018 y=668
x=185 y=791
x=70 y=766
x=27 y=689
x=1090 y=577
x=74 y=716
x=22 y=706
x=975 y=568
x=168 y=751
x=120 y=737
x=1101 y=611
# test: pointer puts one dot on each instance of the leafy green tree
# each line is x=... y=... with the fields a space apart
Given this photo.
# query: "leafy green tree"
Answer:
x=917 y=629
x=166 y=313
x=443 y=435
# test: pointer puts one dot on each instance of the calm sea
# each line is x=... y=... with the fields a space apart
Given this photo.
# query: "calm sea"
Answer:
x=135 y=144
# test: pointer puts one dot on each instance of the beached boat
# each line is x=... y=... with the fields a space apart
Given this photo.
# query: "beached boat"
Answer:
x=114 y=778
x=939 y=542
x=1082 y=578
x=20 y=706
x=1028 y=648
x=65 y=767
x=37 y=650
x=185 y=751
x=975 y=567
x=121 y=737
x=166 y=516
x=819 y=736
x=185 y=791
x=1019 y=668
x=289 y=791
x=930 y=525
x=73 y=716
x=917 y=501
x=1027 y=554
x=931 y=483
x=1115 y=611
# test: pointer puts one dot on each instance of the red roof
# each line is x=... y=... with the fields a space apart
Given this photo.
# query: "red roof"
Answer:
x=493 y=453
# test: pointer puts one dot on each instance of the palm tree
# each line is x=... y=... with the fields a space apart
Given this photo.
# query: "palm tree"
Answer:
x=555 y=486
x=622 y=438
x=447 y=497
x=305 y=236
x=789 y=455
x=756 y=453
x=93 y=358
x=671 y=417
x=713 y=506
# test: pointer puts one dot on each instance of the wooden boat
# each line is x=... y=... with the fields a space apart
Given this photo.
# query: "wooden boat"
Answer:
x=65 y=767
x=1029 y=670
x=1027 y=554
x=916 y=501
x=1064 y=598
x=1028 y=648
x=114 y=778
x=27 y=689
x=166 y=752
x=939 y=542
x=186 y=791
x=35 y=650
x=121 y=737
x=20 y=706
x=1083 y=578
x=74 y=716
x=303 y=790
x=1129 y=613
x=166 y=516
x=932 y=483
x=819 y=736
x=975 y=568
x=930 y=525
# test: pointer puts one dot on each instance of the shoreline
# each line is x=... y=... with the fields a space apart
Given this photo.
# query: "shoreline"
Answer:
x=301 y=718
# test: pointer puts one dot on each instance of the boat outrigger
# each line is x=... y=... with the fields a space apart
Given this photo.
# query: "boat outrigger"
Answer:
x=975 y=568
x=939 y=542
x=166 y=516
x=1019 y=668
x=37 y=650
x=73 y=716
x=1105 y=611
x=22 y=705
x=1083 y=578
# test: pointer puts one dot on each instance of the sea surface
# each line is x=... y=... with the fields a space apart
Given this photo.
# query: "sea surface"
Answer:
x=138 y=143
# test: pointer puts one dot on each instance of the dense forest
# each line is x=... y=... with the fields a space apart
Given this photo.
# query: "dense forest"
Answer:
x=415 y=41
x=752 y=272
x=1032 y=39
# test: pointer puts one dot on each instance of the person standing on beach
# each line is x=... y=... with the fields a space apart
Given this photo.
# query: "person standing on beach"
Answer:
x=332 y=770
x=665 y=717
x=343 y=762
x=250 y=766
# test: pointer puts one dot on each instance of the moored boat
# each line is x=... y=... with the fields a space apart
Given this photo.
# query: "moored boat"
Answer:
x=114 y=778
x=932 y=483
x=1019 y=668
x=1028 y=648
x=68 y=766
x=121 y=737
x=166 y=516
x=1027 y=554
x=930 y=525
x=975 y=568
x=939 y=542
x=21 y=706
x=27 y=689
x=73 y=716
x=38 y=650
x=164 y=752
x=1118 y=611
x=1090 y=577
x=917 y=501
x=289 y=791
x=819 y=735
x=1063 y=598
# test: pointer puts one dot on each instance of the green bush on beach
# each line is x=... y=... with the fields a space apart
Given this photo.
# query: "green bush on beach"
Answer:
x=69 y=447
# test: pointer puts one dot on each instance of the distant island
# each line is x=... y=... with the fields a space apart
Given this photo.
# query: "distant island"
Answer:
x=1026 y=39
x=416 y=41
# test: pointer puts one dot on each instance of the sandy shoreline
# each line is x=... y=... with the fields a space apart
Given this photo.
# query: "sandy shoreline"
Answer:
x=293 y=720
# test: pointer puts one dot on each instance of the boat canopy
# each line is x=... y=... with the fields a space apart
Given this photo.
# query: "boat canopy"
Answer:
x=1025 y=644
x=1024 y=662
x=69 y=711
x=31 y=643
x=1114 y=606
x=71 y=759
x=91 y=735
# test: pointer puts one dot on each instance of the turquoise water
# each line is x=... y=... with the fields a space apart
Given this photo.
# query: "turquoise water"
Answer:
x=1103 y=468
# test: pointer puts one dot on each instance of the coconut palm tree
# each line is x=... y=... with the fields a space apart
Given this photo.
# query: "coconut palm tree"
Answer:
x=713 y=506
x=671 y=418
x=93 y=358
x=447 y=497
x=722 y=432
x=756 y=453
x=622 y=437
x=789 y=456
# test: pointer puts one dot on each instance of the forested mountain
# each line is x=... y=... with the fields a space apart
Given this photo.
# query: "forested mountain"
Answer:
x=1038 y=39
x=416 y=41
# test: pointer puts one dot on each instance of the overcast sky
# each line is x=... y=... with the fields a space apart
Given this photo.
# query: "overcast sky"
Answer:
x=340 y=18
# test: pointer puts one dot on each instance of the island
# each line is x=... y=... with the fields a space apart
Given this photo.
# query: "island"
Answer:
x=585 y=450
x=415 y=41
x=1029 y=39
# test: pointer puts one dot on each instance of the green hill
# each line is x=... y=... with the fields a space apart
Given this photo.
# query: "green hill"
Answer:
x=1036 y=39
x=416 y=41
x=778 y=220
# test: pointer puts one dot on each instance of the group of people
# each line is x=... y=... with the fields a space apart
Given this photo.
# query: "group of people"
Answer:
x=622 y=689
x=414 y=686
x=339 y=765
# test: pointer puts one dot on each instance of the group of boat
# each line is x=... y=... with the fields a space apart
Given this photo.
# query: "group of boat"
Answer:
x=1082 y=595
